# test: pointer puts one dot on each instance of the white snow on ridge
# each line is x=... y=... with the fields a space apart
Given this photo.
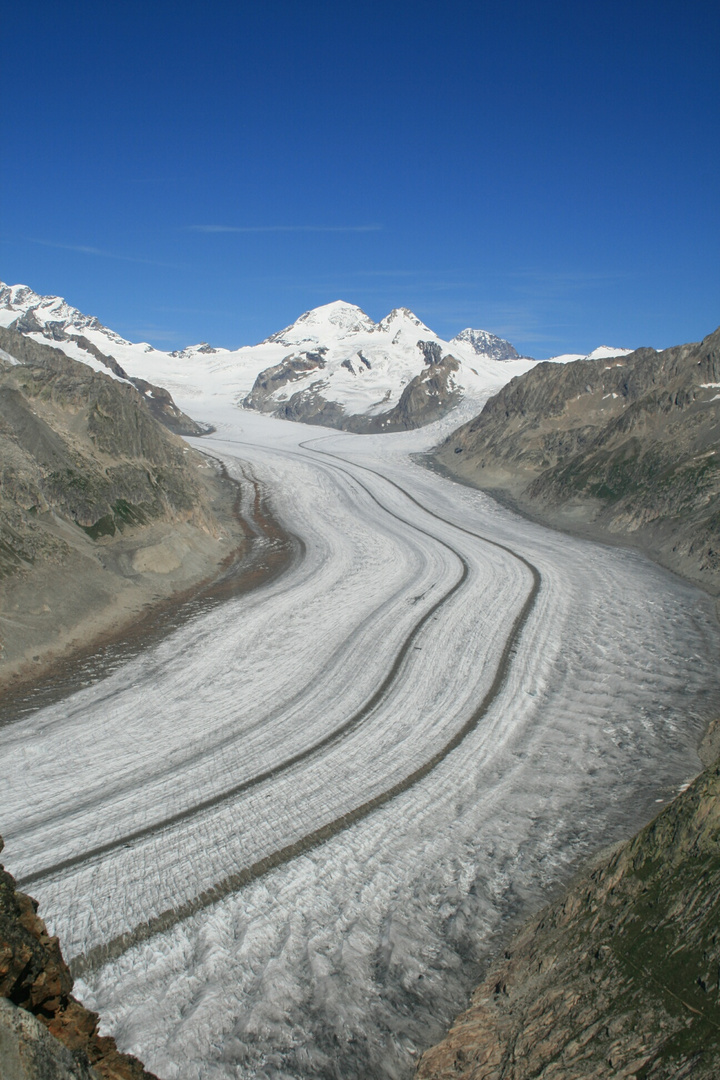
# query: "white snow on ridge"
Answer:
x=365 y=367
x=324 y=322
x=603 y=352
x=361 y=365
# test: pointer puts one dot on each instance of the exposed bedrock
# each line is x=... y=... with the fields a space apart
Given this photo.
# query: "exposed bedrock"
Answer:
x=93 y=489
x=280 y=375
x=158 y=400
x=46 y=1033
x=79 y=445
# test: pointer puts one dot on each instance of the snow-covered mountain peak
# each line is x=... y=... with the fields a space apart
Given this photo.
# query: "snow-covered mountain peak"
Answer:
x=404 y=318
x=21 y=298
x=52 y=316
x=485 y=344
x=605 y=352
x=17 y=295
x=334 y=365
x=335 y=320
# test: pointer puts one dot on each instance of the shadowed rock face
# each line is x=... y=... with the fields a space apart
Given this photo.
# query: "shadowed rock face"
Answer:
x=620 y=977
x=29 y=1052
x=36 y=986
x=626 y=448
x=79 y=445
x=158 y=400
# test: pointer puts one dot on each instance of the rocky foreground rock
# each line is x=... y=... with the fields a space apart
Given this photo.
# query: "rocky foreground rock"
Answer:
x=46 y=1033
x=624 y=449
x=619 y=978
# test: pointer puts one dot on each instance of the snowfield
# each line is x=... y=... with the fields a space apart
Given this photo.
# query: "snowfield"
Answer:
x=280 y=842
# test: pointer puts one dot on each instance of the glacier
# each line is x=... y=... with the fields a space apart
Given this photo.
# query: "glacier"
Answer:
x=276 y=844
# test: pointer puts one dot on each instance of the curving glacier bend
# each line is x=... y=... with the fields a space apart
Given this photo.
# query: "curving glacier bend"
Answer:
x=280 y=842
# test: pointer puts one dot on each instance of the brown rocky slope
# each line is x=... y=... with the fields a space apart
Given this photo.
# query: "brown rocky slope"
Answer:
x=621 y=976
x=624 y=450
x=35 y=979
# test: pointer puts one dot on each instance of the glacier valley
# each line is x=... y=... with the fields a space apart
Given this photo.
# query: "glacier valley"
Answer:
x=281 y=842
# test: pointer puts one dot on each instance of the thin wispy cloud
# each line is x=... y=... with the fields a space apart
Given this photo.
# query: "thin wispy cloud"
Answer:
x=84 y=249
x=283 y=228
x=151 y=333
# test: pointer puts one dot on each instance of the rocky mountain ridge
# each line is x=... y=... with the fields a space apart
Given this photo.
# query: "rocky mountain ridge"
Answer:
x=94 y=489
x=52 y=319
x=626 y=449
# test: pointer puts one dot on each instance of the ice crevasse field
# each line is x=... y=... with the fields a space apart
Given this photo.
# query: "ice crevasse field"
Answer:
x=280 y=842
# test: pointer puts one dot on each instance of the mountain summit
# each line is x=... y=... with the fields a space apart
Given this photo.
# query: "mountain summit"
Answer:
x=322 y=323
x=335 y=366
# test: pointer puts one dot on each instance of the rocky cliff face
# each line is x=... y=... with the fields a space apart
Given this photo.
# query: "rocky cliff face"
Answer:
x=620 y=977
x=623 y=448
x=45 y=1033
x=485 y=344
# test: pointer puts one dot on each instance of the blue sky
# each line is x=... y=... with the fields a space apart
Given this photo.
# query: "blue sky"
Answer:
x=547 y=171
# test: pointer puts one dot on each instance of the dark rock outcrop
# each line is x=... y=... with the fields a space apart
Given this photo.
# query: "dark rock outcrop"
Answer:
x=485 y=344
x=427 y=397
x=158 y=400
x=79 y=444
x=35 y=980
x=624 y=449
x=280 y=375
x=618 y=978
